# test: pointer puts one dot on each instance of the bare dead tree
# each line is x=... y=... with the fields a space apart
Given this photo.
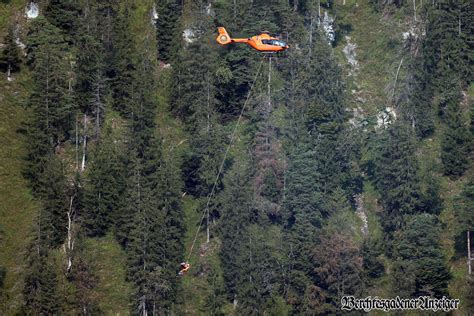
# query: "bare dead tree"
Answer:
x=97 y=103
x=396 y=80
x=84 y=143
x=414 y=10
x=77 y=145
x=69 y=246
x=469 y=258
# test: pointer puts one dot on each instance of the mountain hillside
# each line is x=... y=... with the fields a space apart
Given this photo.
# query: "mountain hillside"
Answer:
x=132 y=143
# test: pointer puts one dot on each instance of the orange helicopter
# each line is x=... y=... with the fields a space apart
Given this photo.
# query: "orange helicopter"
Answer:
x=262 y=42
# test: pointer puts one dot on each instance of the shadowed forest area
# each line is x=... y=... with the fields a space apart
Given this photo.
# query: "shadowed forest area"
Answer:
x=131 y=141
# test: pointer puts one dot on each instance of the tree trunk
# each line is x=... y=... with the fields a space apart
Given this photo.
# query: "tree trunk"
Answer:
x=208 y=104
x=319 y=13
x=414 y=10
x=310 y=35
x=208 y=235
x=469 y=259
x=77 y=146
x=70 y=234
x=9 y=72
x=269 y=84
x=396 y=79
x=83 y=165
x=235 y=10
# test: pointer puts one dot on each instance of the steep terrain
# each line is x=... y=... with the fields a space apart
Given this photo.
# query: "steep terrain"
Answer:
x=339 y=181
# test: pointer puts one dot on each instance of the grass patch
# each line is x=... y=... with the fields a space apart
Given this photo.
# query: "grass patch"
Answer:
x=204 y=262
x=17 y=207
x=7 y=13
x=378 y=41
x=194 y=287
x=109 y=264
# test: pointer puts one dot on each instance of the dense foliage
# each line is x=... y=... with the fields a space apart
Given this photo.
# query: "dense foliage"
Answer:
x=286 y=210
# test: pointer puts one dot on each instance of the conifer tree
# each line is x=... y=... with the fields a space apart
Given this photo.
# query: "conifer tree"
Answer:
x=444 y=43
x=41 y=291
x=302 y=197
x=466 y=19
x=123 y=224
x=466 y=204
x=237 y=214
x=470 y=295
x=167 y=30
x=85 y=281
x=64 y=15
x=146 y=243
x=455 y=140
x=373 y=266
x=51 y=191
x=268 y=178
x=258 y=262
x=216 y=299
x=142 y=107
x=416 y=104
x=50 y=96
x=202 y=162
x=103 y=188
x=169 y=187
x=10 y=56
x=324 y=89
x=195 y=103
x=107 y=12
x=154 y=233
x=463 y=207
x=90 y=85
x=419 y=267
x=123 y=65
x=338 y=266
x=195 y=100
x=50 y=100
x=396 y=172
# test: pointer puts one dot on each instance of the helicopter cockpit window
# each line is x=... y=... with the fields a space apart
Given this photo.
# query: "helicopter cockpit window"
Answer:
x=274 y=43
x=279 y=43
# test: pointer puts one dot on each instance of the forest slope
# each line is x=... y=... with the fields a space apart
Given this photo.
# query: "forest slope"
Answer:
x=350 y=172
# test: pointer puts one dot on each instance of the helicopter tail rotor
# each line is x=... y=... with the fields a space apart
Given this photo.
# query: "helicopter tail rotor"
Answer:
x=223 y=38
